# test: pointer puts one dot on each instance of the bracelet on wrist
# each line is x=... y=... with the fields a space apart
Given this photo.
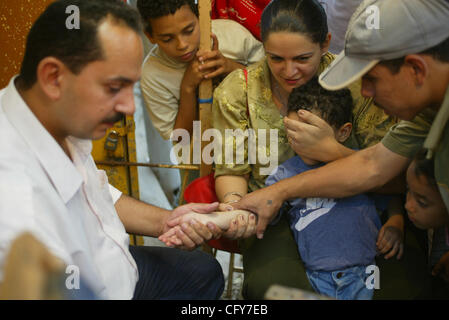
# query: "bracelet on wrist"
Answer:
x=231 y=201
x=232 y=193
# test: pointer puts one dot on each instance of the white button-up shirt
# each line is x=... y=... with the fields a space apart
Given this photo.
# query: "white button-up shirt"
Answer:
x=68 y=205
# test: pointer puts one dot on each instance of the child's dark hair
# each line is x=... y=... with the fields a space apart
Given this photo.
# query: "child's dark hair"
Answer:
x=335 y=107
x=425 y=167
x=302 y=16
x=153 y=9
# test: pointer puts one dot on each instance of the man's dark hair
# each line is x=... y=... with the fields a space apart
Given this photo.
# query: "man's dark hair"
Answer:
x=425 y=167
x=49 y=35
x=334 y=107
x=153 y=9
x=440 y=52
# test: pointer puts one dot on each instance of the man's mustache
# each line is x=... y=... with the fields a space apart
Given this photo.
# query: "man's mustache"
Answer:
x=115 y=118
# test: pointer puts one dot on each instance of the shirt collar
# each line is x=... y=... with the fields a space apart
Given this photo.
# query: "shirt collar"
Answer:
x=58 y=166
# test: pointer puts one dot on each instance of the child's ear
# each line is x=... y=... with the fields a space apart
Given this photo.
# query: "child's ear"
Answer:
x=344 y=132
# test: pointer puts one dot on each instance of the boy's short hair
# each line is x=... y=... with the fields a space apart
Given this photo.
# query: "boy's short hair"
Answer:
x=335 y=107
x=153 y=9
x=425 y=167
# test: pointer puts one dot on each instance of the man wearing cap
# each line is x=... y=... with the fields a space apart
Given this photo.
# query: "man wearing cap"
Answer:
x=404 y=65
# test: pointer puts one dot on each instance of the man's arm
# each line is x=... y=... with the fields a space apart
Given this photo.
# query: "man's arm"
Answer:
x=360 y=172
x=144 y=219
x=141 y=218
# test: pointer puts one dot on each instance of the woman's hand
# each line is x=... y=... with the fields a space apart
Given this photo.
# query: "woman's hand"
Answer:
x=312 y=137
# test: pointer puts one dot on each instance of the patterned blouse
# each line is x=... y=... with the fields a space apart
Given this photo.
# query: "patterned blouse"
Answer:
x=249 y=105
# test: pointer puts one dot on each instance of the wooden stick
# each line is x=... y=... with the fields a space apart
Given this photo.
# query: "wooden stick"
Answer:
x=151 y=165
x=205 y=88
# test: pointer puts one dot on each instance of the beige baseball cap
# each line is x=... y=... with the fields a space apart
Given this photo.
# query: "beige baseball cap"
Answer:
x=385 y=30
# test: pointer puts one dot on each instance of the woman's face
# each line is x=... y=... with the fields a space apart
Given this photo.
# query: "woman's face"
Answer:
x=293 y=58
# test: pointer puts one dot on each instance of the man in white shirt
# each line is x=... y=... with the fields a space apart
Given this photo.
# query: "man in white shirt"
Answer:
x=73 y=85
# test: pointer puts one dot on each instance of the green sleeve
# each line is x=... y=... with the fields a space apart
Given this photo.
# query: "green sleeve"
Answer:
x=229 y=111
x=407 y=137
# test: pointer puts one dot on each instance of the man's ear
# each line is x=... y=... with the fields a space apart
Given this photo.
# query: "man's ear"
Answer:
x=344 y=132
x=418 y=68
x=50 y=73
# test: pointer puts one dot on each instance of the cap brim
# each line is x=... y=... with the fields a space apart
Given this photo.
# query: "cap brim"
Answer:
x=344 y=70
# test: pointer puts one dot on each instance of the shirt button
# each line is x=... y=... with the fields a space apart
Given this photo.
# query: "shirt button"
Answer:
x=339 y=275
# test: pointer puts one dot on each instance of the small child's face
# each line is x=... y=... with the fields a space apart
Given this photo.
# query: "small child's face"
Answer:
x=424 y=205
x=178 y=35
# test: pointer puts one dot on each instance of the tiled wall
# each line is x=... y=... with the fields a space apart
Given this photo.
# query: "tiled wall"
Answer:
x=16 y=18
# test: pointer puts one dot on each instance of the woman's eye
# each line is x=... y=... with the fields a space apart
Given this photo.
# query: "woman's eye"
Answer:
x=189 y=31
x=277 y=59
x=302 y=59
x=166 y=40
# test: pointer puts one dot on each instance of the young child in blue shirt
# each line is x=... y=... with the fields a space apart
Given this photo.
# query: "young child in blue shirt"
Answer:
x=336 y=237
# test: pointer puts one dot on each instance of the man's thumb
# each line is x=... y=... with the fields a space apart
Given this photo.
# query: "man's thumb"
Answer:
x=261 y=226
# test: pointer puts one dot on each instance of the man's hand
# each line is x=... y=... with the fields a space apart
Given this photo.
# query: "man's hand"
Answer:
x=442 y=267
x=265 y=202
x=188 y=236
x=390 y=240
x=312 y=137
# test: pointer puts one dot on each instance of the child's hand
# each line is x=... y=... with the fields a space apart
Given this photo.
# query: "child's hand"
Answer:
x=193 y=75
x=442 y=267
x=390 y=239
x=213 y=63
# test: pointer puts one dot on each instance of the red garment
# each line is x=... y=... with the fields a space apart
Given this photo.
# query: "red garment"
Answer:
x=245 y=12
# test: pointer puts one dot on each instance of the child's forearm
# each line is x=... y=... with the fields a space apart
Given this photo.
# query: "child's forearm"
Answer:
x=187 y=110
x=221 y=219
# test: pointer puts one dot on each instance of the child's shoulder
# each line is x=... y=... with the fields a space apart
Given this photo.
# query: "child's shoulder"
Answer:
x=228 y=25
